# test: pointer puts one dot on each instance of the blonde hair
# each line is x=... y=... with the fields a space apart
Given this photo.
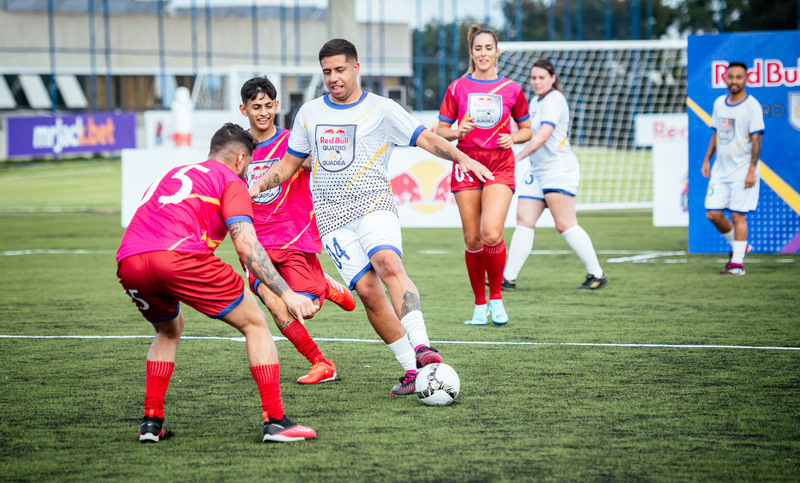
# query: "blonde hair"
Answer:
x=475 y=30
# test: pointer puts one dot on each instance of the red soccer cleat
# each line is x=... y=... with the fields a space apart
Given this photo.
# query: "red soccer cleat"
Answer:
x=339 y=294
x=320 y=372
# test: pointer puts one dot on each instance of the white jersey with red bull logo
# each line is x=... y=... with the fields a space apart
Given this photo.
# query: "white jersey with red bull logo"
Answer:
x=556 y=152
x=350 y=145
x=734 y=124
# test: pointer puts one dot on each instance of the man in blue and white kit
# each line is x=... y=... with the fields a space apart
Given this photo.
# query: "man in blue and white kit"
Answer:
x=738 y=123
x=349 y=134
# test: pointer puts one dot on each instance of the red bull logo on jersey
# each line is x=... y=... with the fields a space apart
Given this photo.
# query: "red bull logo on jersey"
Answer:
x=486 y=110
x=336 y=146
x=425 y=187
x=257 y=170
x=726 y=131
x=763 y=73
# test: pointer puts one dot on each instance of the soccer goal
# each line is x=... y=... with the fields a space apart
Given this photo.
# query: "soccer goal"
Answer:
x=608 y=84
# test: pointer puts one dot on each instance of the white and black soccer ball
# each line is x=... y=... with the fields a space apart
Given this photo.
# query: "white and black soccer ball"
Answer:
x=437 y=384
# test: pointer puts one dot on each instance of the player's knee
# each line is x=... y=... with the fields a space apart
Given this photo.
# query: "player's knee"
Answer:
x=713 y=216
x=492 y=238
x=562 y=226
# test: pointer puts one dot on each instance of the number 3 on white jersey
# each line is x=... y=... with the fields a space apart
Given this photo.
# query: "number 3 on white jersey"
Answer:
x=180 y=195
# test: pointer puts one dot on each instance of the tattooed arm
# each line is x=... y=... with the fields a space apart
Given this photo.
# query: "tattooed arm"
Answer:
x=257 y=261
x=438 y=146
x=280 y=172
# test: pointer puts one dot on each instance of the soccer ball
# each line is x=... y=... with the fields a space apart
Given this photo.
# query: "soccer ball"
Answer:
x=437 y=384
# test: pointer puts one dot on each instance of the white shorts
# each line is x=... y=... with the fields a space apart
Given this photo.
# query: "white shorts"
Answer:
x=553 y=180
x=351 y=245
x=732 y=195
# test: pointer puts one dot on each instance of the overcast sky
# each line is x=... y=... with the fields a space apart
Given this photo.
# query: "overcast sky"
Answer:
x=392 y=9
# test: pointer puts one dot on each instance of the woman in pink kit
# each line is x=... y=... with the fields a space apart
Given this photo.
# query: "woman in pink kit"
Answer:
x=482 y=104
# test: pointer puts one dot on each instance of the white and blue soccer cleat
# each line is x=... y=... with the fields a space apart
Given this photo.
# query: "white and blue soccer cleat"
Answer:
x=499 y=315
x=480 y=316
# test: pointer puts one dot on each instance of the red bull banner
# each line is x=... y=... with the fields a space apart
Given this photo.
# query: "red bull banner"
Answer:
x=59 y=135
x=421 y=188
x=773 y=61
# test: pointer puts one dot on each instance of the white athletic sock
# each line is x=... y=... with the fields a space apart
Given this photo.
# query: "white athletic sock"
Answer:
x=729 y=236
x=739 y=248
x=581 y=244
x=415 y=328
x=518 y=251
x=404 y=353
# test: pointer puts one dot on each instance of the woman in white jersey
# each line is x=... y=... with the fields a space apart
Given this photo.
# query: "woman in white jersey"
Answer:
x=551 y=181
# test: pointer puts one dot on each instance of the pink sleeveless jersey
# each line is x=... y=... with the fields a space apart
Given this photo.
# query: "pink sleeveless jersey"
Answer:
x=284 y=216
x=188 y=209
x=491 y=105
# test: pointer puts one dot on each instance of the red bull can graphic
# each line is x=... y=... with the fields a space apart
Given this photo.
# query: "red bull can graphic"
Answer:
x=425 y=187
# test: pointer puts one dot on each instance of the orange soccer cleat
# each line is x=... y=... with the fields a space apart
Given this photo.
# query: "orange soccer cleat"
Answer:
x=339 y=294
x=320 y=372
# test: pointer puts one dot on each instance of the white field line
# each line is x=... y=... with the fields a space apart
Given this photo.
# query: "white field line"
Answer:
x=77 y=251
x=646 y=256
x=467 y=342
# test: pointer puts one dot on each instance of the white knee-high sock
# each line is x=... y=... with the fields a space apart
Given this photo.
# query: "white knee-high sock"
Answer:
x=729 y=236
x=581 y=244
x=521 y=246
x=404 y=353
x=415 y=328
x=739 y=249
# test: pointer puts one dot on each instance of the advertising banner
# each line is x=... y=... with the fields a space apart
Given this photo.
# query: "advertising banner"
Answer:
x=773 y=78
x=59 y=135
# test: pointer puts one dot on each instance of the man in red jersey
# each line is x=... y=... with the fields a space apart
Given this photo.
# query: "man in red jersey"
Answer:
x=167 y=256
x=286 y=225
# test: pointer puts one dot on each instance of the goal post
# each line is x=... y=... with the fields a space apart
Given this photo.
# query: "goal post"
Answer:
x=608 y=84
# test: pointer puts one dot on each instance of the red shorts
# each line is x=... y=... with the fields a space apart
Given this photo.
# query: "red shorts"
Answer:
x=157 y=281
x=499 y=161
x=302 y=272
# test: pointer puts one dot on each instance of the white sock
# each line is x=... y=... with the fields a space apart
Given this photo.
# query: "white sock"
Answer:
x=581 y=244
x=415 y=328
x=518 y=251
x=729 y=236
x=739 y=248
x=404 y=353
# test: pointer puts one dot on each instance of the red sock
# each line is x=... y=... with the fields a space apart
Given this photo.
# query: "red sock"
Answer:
x=269 y=388
x=494 y=257
x=158 y=375
x=298 y=335
x=477 y=274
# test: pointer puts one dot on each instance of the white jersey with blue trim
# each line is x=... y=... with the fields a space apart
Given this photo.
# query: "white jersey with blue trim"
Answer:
x=734 y=124
x=350 y=145
x=552 y=109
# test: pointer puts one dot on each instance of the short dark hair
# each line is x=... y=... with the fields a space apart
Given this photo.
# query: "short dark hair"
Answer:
x=339 y=47
x=258 y=85
x=230 y=135
x=738 y=64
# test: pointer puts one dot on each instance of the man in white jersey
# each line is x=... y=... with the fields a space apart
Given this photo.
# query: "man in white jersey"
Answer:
x=349 y=133
x=738 y=123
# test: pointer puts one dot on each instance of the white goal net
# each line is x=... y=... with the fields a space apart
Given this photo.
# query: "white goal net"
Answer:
x=607 y=84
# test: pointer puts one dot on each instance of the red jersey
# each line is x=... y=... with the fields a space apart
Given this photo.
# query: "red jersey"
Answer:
x=284 y=215
x=490 y=103
x=187 y=209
